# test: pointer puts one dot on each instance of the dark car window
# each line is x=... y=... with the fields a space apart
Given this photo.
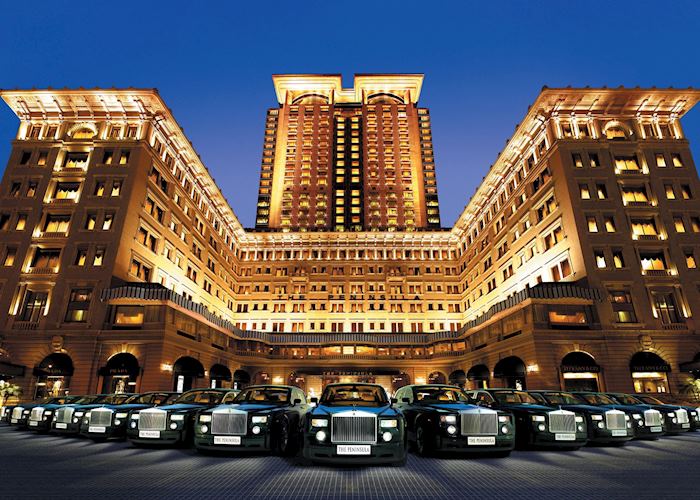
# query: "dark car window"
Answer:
x=561 y=398
x=539 y=397
x=597 y=399
x=626 y=399
x=138 y=398
x=84 y=400
x=356 y=394
x=514 y=397
x=439 y=394
x=651 y=400
x=266 y=395
x=200 y=397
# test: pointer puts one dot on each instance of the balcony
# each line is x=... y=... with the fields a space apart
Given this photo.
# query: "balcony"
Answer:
x=674 y=326
x=656 y=272
x=42 y=271
x=25 y=325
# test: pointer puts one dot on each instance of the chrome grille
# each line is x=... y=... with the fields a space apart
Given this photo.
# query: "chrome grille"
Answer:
x=64 y=415
x=354 y=427
x=682 y=416
x=479 y=422
x=100 y=417
x=229 y=421
x=152 y=420
x=17 y=412
x=36 y=414
x=652 y=418
x=562 y=421
x=615 y=419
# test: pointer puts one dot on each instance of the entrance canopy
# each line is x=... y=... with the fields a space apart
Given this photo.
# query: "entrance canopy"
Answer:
x=512 y=366
x=57 y=364
x=189 y=367
x=648 y=362
x=220 y=372
x=579 y=362
x=478 y=372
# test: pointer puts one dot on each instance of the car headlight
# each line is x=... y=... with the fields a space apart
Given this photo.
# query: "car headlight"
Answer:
x=504 y=419
x=448 y=419
x=637 y=416
x=177 y=418
x=319 y=422
x=259 y=419
x=538 y=418
x=48 y=412
x=134 y=416
x=596 y=417
x=205 y=418
x=579 y=420
x=122 y=415
x=389 y=423
x=79 y=413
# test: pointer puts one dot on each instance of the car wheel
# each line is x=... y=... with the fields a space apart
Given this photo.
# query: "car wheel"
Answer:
x=286 y=442
x=422 y=447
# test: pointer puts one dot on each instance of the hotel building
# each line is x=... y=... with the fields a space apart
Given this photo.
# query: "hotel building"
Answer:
x=574 y=265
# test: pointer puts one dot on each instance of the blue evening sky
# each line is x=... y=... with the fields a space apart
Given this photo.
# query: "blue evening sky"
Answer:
x=484 y=64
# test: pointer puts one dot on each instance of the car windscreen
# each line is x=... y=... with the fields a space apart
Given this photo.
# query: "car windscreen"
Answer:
x=517 y=397
x=439 y=395
x=561 y=398
x=651 y=400
x=200 y=397
x=626 y=399
x=264 y=395
x=83 y=400
x=113 y=399
x=354 y=394
x=597 y=399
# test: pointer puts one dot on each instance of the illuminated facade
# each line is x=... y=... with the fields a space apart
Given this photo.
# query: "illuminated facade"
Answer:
x=574 y=264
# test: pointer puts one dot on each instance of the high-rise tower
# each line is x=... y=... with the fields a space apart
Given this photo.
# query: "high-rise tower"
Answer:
x=358 y=159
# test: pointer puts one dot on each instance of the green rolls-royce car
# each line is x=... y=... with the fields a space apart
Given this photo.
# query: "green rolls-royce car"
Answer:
x=354 y=423
x=67 y=419
x=174 y=423
x=110 y=420
x=20 y=414
x=260 y=418
x=605 y=425
x=646 y=422
x=536 y=424
x=674 y=403
x=442 y=418
x=677 y=419
x=42 y=416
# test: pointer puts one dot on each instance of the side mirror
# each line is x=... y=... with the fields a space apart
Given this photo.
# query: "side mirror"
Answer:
x=297 y=401
x=405 y=400
x=314 y=400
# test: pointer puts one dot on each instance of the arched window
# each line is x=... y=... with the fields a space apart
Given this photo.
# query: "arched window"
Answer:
x=580 y=372
x=649 y=372
x=478 y=376
x=511 y=371
x=120 y=373
x=218 y=374
x=53 y=375
x=186 y=371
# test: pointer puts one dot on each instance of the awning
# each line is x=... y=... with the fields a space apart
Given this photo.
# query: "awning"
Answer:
x=511 y=366
x=220 y=372
x=54 y=365
x=188 y=367
x=121 y=364
x=478 y=372
x=9 y=370
x=648 y=362
x=579 y=362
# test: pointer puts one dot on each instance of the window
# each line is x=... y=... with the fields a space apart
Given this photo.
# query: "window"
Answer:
x=626 y=163
x=107 y=222
x=91 y=221
x=644 y=227
x=634 y=194
x=31 y=189
x=116 y=188
x=553 y=238
x=76 y=160
x=46 y=258
x=10 y=255
x=78 y=305
x=665 y=306
x=15 y=189
x=685 y=192
x=140 y=270
x=600 y=259
x=66 y=190
x=584 y=191
x=33 y=306
x=623 y=309
x=21 y=222
x=124 y=158
x=578 y=161
x=695 y=224
x=108 y=157
x=24 y=159
x=660 y=160
x=653 y=261
x=99 y=257
x=128 y=316
x=690 y=261
x=594 y=161
x=43 y=157
x=618 y=259
x=676 y=160
x=678 y=224
x=4 y=222
x=80 y=256
x=615 y=133
x=99 y=188
x=592 y=224
x=670 y=193
x=57 y=223
x=561 y=270
x=609 y=223
x=602 y=191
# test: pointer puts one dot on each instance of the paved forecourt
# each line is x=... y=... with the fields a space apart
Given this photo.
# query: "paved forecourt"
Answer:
x=57 y=467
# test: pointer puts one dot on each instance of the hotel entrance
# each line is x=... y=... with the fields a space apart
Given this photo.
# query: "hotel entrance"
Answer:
x=314 y=380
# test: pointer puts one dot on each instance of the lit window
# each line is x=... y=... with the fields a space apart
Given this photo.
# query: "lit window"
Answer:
x=679 y=224
x=99 y=257
x=670 y=193
x=690 y=260
x=676 y=160
x=609 y=224
x=618 y=260
x=592 y=224
x=585 y=192
x=660 y=160
x=600 y=259
x=21 y=222
x=107 y=222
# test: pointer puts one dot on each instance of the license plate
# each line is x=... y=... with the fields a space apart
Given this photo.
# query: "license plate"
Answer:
x=353 y=449
x=655 y=429
x=481 y=440
x=233 y=440
x=565 y=437
x=96 y=429
x=685 y=426
x=619 y=432
x=33 y=423
x=13 y=420
x=149 y=434
x=61 y=425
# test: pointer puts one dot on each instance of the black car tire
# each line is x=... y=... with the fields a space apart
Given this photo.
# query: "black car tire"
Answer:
x=286 y=439
x=422 y=446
